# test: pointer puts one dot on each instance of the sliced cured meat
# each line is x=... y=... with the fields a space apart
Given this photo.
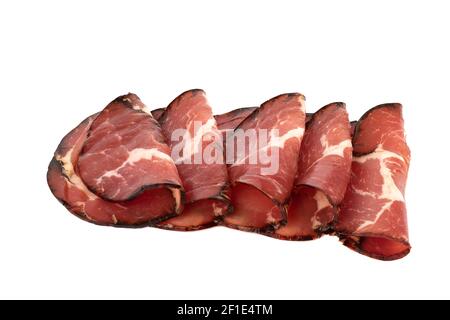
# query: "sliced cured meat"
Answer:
x=125 y=153
x=191 y=130
x=259 y=195
x=372 y=217
x=323 y=174
x=227 y=122
x=125 y=166
x=230 y=120
x=352 y=127
x=157 y=113
x=309 y=215
x=159 y=194
x=326 y=154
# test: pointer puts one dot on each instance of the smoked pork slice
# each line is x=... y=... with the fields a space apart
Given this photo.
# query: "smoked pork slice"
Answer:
x=151 y=206
x=323 y=174
x=157 y=113
x=230 y=120
x=125 y=153
x=259 y=198
x=372 y=217
x=205 y=182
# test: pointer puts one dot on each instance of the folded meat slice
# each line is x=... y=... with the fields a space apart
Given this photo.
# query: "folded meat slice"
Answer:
x=191 y=131
x=323 y=174
x=260 y=187
x=157 y=113
x=372 y=217
x=230 y=120
x=124 y=144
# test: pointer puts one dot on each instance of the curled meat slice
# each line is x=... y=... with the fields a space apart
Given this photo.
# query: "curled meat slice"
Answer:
x=230 y=120
x=323 y=174
x=191 y=131
x=372 y=217
x=157 y=113
x=155 y=198
x=263 y=172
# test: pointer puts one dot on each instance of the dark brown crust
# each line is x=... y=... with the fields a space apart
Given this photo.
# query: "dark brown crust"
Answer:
x=263 y=105
x=321 y=110
x=233 y=115
x=187 y=229
x=293 y=238
x=264 y=230
x=354 y=243
x=235 y=112
x=154 y=111
x=56 y=165
x=146 y=187
x=364 y=116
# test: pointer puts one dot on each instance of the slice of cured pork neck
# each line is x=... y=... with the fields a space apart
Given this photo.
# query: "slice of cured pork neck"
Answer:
x=258 y=169
x=115 y=168
x=259 y=196
x=227 y=122
x=323 y=174
x=191 y=131
x=372 y=216
x=157 y=113
x=230 y=120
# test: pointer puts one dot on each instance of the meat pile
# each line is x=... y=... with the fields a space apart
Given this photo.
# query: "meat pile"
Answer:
x=127 y=166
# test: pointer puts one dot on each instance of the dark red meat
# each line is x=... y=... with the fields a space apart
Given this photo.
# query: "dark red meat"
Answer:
x=206 y=184
x=157 y=113
x=129 y=167
x=323 y=174
x=259 y=200
x=230 y=120
x=372 y=217
x=154 y=200
x=125 y=153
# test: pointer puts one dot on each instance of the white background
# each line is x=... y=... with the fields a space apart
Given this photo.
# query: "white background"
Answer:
x=62 y=61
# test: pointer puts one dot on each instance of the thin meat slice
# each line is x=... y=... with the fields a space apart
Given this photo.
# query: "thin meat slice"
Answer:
x=157 y=113
x=309 y=214
x=260 y=189
x=323 y=174
x=125 y=153
x=152 y=206
x=227 y=122
x=352 y=127
x=372 y=217
x=230 y=120
x=191 y=131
